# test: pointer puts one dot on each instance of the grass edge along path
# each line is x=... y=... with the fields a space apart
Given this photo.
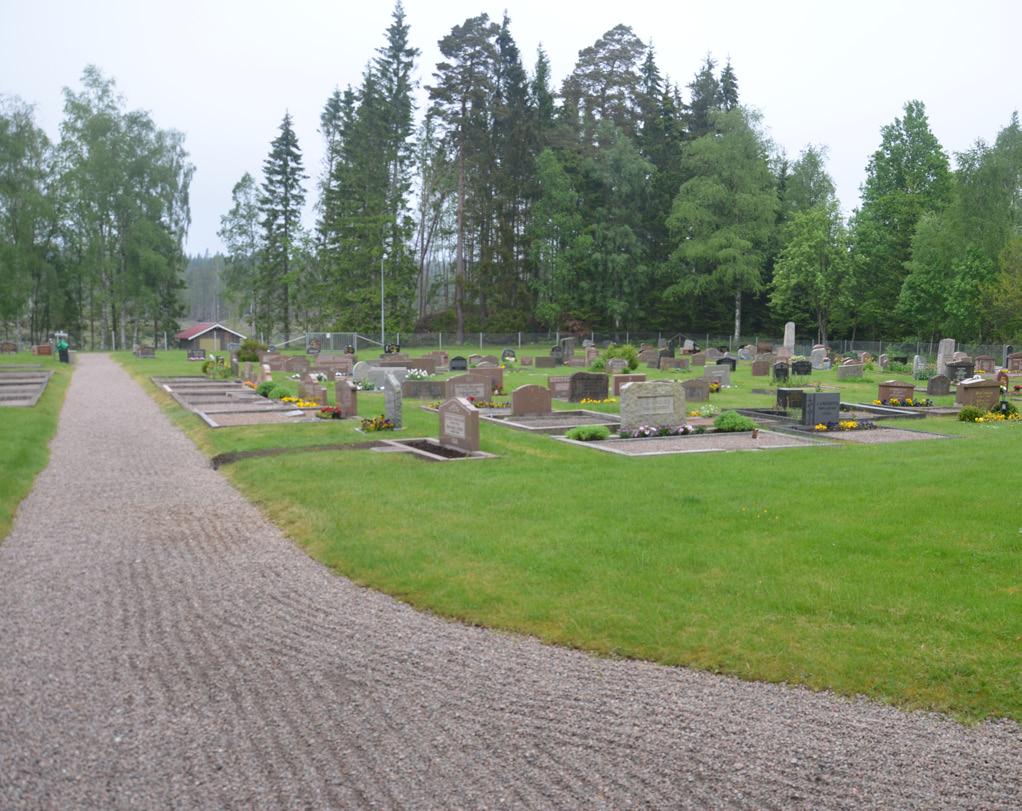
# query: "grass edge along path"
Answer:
x=25 y=436
x=889 y=571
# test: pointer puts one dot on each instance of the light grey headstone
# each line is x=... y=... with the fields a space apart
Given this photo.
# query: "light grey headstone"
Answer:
x=789 y=335
x=379 y=374
x=945 y=351
x=817 y=357
x=392 y=408
x=655 y=403
x=918 y=364
x=722 y=373
x=689 y=345
x=747 y=353
x=360 y=371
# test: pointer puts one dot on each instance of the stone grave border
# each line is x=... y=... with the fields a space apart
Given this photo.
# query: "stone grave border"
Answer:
x=403 y=446
x=165 y=384
x=794 y=441
x=612 y=421
x=31 y=401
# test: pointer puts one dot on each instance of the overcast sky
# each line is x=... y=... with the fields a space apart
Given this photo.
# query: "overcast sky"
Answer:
x=225 y=71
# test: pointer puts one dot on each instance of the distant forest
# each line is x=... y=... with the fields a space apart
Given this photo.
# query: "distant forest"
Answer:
x=620 y=199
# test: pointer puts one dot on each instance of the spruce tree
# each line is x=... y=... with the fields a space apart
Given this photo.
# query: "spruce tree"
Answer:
x=728 y=87
x=280 y=207
x=707 y=98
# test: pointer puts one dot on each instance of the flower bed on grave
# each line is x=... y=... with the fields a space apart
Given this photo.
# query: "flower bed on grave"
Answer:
x=372 y=425
x=482 y=404
x=905 y=402
x=844 y=425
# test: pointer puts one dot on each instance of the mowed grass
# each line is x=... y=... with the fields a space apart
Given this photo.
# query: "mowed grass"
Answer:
x=25 y=435
x=892 y=571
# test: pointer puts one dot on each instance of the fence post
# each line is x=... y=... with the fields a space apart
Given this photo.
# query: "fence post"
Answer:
x=519 y=340
x=480 y=342
x=440 y=338
x=627 y=337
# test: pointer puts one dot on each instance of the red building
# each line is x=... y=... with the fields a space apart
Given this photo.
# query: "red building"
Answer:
x=208 y=337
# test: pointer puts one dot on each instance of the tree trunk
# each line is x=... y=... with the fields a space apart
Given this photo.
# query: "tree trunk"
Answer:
x=738 y=316
x=459 y=262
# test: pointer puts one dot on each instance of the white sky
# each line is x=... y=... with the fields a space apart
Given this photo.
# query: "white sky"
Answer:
x=225 y=72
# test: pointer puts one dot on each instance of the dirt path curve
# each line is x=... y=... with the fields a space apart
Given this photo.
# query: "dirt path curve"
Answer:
x=161 y=645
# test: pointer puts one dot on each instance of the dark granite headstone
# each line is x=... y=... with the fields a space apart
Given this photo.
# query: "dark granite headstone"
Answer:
x=588 y=386
x=789 y=398
x=802 y=367
x=732 y=362
x=959 y=370
x=938 y=384
x=780 y=371
x=821 y=407
x=458 y=364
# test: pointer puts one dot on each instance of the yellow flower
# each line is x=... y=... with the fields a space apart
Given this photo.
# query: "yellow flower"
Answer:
x=819 y=427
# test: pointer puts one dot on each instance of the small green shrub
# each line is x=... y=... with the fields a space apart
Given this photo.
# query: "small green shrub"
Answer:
x=970 y=414
x=589 y=433
x=733 y=421
x=264 y=388
x=279 y=391
x=626 y=351
x=249 y=350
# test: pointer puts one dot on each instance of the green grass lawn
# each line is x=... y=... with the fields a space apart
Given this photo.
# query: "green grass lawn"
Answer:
x=893 y=571
x=25 y=435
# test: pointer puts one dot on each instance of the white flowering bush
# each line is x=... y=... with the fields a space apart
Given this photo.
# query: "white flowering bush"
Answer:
x=417 y=374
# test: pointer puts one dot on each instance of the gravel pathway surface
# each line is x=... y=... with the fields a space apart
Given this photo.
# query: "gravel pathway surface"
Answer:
x=163 y=646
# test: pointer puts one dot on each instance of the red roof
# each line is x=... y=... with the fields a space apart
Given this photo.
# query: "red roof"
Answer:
x=200 y=329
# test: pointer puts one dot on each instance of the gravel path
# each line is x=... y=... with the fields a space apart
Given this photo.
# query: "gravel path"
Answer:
x=162 y=646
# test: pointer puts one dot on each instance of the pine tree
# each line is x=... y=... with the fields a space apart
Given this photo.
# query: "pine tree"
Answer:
x=460 y=102
x=280 y=206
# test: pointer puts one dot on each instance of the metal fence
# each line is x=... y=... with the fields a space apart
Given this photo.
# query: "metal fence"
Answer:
x=338 y=341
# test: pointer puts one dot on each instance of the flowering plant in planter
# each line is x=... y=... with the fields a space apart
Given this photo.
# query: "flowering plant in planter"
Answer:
x=365 y=385
x=417 y=374
x=714 y=386
x=329 y=413
x=596 y=401
x=380 y=423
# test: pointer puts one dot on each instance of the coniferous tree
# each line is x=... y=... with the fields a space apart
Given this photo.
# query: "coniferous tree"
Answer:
x=728 y=87
x=460 y=102
x=706 y=99
x=280 y=208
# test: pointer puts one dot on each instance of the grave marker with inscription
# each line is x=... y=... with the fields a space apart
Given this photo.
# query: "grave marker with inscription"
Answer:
x=587 y=386
x=459 y=425
x=654 y=403
x=531 y=401
x=821 y=407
